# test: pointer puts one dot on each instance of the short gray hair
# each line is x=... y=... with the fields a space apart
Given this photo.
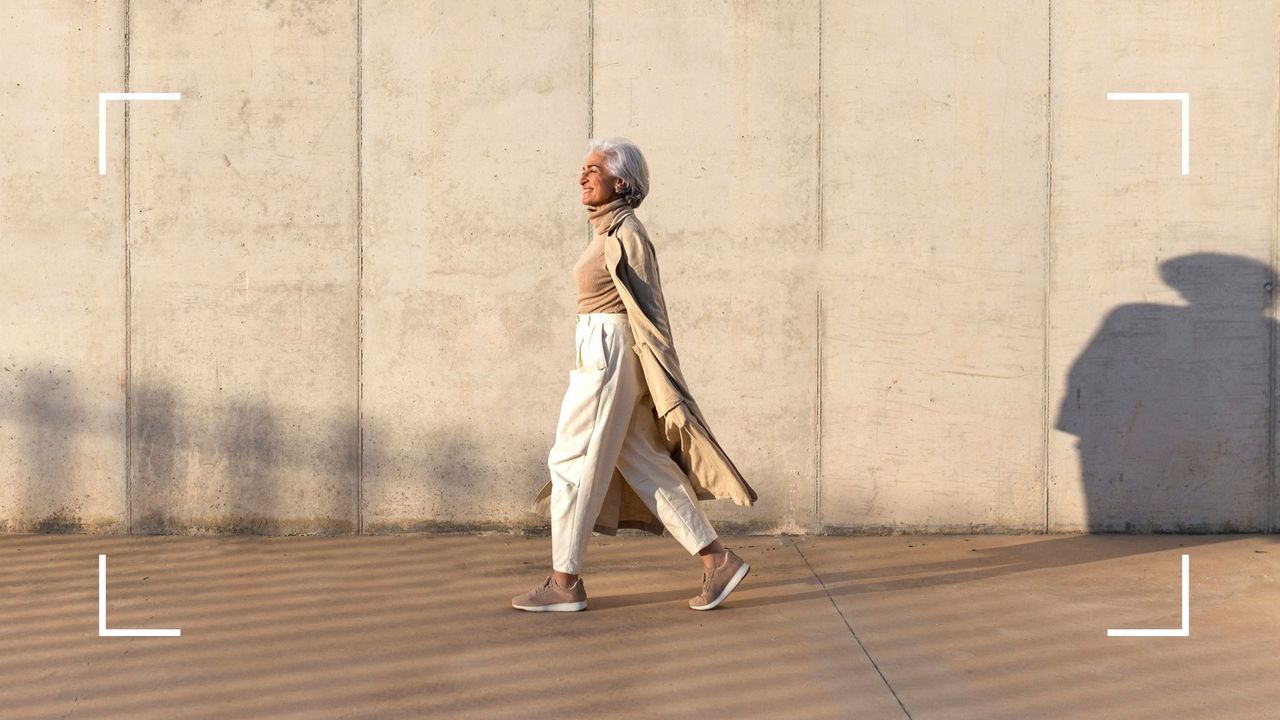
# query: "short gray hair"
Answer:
x=624 y=161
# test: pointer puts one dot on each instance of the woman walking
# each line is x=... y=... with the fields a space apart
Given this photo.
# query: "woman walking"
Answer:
x=632 y=448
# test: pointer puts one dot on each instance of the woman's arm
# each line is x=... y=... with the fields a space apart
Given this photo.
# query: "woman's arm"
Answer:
x=643 y=277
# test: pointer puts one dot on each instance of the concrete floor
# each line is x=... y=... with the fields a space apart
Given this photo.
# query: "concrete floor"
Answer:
x=976 y=626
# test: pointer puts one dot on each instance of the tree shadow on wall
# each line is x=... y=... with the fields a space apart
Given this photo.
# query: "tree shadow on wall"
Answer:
x=1169 y=404
x=48 y=405
x=243 y=464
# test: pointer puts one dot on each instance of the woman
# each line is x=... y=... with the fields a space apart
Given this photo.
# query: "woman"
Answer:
x=632 y=448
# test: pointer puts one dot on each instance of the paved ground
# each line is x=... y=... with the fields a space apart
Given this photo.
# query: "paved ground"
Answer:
x=976 y=626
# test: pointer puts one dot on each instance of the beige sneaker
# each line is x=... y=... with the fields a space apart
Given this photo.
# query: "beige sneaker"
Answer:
x=550 y=597
x=719 y=581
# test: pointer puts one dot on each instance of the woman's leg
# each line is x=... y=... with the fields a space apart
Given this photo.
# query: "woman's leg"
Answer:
x=648 y=467
x=661 y=484
x=593 y=422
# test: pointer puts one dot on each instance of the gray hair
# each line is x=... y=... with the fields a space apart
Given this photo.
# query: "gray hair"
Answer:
x=624 y=161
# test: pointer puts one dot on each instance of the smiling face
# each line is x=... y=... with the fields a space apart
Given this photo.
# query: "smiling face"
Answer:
x=598 y=186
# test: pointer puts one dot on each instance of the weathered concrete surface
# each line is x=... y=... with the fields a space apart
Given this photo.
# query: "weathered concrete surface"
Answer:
x=934 y=200
x=924 y=627
x=1015 y=627
x=243 y=258
x=474 y=116
x=723 y=99
x=62 y=348
x=923 y=275
x=1159 y=334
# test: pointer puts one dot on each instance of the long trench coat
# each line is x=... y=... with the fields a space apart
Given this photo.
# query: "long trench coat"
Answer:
x=709 y=473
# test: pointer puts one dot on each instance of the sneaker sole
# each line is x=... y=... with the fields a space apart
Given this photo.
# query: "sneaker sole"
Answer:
x=728 y=588
x=553 y=607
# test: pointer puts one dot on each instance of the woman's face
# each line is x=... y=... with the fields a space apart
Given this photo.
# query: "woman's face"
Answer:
x=598 y=186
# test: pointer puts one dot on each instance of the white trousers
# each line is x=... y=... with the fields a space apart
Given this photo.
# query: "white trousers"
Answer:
x=606 y=419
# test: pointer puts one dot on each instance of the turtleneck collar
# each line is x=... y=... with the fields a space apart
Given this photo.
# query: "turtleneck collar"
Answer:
x=605 y=217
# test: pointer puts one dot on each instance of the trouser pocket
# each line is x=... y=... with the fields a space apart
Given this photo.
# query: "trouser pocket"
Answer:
x=579 y=409
x=593 y=341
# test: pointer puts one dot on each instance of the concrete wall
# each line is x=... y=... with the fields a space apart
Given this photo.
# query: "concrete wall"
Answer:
x=922 y=273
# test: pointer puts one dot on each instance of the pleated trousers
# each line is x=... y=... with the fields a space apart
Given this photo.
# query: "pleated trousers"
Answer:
x=607 y=419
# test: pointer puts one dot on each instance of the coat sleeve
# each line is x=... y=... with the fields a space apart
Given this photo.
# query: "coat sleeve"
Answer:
x=643 y=277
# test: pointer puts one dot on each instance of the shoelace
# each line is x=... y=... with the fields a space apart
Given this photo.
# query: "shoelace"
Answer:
x=708 y=572
x=706 y=576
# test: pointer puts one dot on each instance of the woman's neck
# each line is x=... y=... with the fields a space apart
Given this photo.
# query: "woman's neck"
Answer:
x=602 y=216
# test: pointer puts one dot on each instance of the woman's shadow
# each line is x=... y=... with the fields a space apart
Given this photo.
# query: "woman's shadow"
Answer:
x=1170 y=404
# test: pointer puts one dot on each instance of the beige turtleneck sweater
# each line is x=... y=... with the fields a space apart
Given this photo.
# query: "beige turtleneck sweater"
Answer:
x=596 y=291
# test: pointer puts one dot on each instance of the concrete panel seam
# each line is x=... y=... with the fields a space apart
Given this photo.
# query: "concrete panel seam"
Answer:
x=591 y=72
x=1046 y=252
x=591 y=91
x=128 y=305
x=796 y=544
x=1269 y=521
x=359 y=269
x=822 y=223
x=817 y=424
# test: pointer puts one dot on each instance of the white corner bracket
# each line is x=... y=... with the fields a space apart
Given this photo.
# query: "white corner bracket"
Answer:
x=1183 y=631
x=103 y=97
x=103 y=630
x=1185 y=98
